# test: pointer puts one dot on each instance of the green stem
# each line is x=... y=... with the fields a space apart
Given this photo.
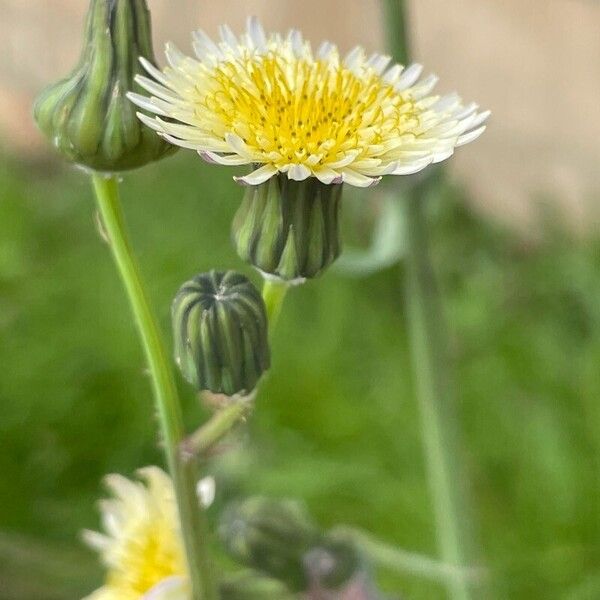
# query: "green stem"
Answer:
x=429 y=357
x=215 y=429
x=396 y=17
x=402 y=561
x=438 y=421
x=193 y=519
x=274 y=292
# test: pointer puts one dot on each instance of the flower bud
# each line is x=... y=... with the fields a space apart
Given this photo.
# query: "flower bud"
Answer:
x=272 y=536
x=252 y=586
x=221 y=333
x=87 y=116
x=289 y=229
x=332 y=564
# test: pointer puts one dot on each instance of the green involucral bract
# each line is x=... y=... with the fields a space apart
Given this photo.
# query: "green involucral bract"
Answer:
x=87 y=116
x=289 y=229
x=221 y=333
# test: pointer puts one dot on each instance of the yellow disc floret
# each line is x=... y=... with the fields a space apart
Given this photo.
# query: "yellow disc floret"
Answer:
x=142 y=548
x=303 y=112
x=272 y=102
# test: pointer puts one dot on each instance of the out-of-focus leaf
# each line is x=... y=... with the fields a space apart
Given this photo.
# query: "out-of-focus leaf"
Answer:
x=388 y=242
x=589 y=589
x=32 y=569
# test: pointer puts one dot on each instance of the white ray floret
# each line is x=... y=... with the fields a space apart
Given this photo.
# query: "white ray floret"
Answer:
x=269 y=101
x=141 y=546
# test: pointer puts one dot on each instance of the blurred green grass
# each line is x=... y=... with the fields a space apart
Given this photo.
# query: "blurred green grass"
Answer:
x=336 y=424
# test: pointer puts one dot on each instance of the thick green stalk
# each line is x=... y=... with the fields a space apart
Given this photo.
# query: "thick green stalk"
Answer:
x=433 y=389
x=193 y=520
x=274 y=292
x=396 y=26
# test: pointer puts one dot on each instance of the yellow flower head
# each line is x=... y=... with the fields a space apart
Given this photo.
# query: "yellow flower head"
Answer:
x=270 y=101
x=141 y=547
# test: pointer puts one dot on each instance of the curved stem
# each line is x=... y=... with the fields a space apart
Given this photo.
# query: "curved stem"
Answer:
x=405 y=562
x=274 y=292
x=193 y=520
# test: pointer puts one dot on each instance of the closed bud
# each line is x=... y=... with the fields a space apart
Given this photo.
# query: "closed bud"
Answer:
x=289 y=229
x=87 y=116
x=220 y=333
x=253 y=586
x=272 y=536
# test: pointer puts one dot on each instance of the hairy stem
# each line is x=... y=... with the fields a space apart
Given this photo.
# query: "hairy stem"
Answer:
x=193 y=520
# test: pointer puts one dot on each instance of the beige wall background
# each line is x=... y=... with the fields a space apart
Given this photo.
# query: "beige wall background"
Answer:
x=535 y=63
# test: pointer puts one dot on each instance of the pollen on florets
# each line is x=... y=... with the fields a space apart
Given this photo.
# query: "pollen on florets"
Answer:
x=270 y=101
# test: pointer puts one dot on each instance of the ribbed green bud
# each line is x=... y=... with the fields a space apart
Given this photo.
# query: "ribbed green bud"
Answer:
x=87 y=116
x=289 y=229
x=272 y=536
x=221 y=333
x=253 y=586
